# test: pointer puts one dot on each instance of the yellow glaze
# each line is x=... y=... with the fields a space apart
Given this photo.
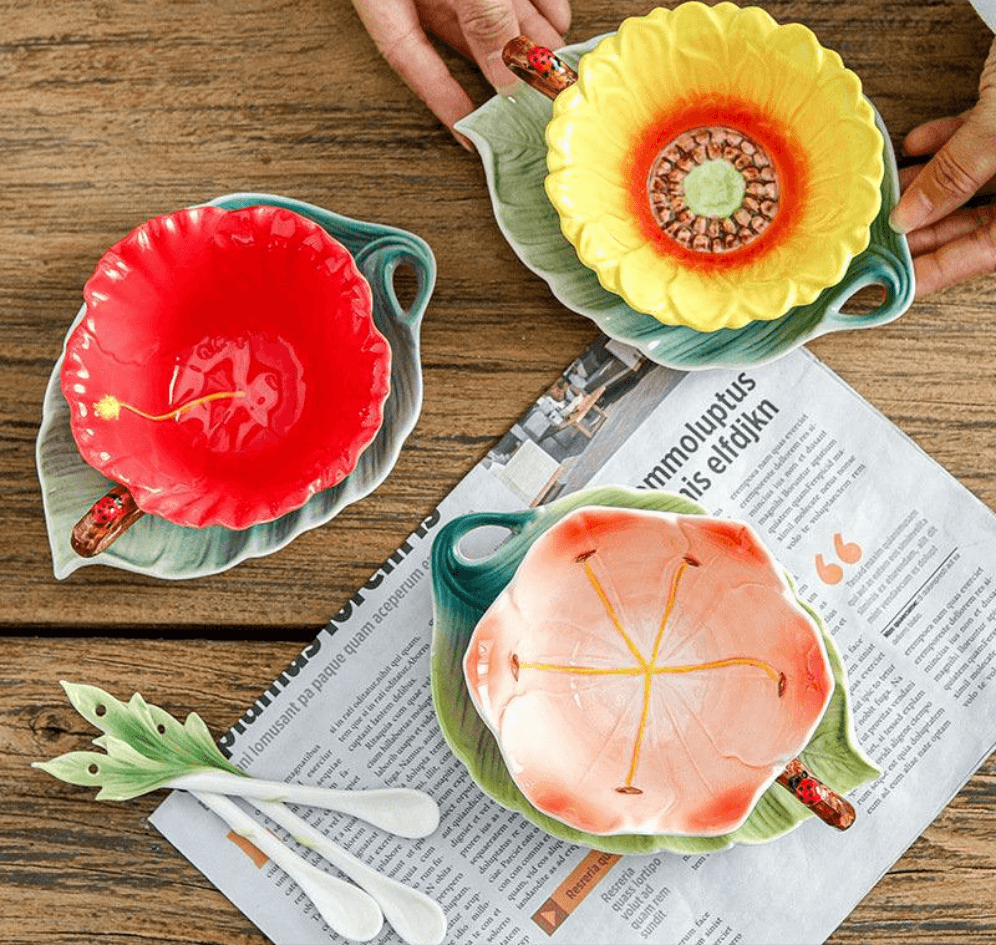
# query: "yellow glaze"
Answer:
x=825 y=144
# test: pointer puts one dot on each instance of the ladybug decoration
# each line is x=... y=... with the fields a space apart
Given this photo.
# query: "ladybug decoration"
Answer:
x=808 y=791
x=106 y=519
x=107 y=509
x=538 y=66
x=541 y=59
x=826 y=803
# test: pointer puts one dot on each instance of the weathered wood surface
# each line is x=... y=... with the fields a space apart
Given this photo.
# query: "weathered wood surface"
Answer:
x=114 y=111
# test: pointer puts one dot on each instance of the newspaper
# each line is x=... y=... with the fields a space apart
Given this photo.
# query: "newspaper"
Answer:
x=897 y=556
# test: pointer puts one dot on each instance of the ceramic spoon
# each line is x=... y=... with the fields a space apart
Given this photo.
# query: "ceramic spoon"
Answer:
x=418 y=919
x=401 y=811
x=347 y=909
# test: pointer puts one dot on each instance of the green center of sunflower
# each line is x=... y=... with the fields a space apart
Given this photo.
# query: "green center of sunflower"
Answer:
x=714 y=189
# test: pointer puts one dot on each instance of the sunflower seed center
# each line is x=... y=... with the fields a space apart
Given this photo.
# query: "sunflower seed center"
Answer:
x=713 y=189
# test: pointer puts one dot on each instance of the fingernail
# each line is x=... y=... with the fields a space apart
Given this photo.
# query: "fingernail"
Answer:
x=910 y=212
x=895 y=224
x=504 y=81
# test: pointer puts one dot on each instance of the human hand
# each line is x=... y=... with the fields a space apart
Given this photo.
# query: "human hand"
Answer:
x=950 y=242
x=478 y=29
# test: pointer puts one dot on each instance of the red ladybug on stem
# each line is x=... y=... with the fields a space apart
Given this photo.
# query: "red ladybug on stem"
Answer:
x=106 y=509
x=808 y=791
x=541 y=59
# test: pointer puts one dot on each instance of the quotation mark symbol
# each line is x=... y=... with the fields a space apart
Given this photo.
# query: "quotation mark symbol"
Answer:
x=849 y=552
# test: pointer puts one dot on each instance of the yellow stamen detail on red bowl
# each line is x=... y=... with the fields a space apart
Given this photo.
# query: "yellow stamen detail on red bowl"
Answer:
x=109 y=407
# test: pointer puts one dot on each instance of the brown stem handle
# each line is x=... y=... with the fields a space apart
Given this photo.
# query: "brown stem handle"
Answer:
x=106 y=521
x=538 y=66
x=823 y=801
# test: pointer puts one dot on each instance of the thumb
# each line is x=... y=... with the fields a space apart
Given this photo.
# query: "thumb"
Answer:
x=962 y=165
x=487 y=26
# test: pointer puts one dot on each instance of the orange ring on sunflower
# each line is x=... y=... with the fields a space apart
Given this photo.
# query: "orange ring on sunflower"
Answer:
x=713 y=167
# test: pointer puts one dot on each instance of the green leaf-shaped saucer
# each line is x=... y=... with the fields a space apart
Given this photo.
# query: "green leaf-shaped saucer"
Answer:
x=509 y=135
x=464 y=589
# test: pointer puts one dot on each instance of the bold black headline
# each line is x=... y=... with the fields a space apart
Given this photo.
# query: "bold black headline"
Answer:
x=727 y=427
x=309 y=653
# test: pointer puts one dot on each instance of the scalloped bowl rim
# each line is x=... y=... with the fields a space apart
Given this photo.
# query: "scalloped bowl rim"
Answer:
x=581 y=230
x=259 y=544
x=226 y=512
x=790 y=598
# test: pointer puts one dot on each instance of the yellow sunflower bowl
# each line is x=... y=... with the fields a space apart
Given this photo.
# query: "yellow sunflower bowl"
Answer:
x=713 y=167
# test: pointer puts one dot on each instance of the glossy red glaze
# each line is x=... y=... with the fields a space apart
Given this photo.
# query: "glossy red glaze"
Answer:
x=260 y=301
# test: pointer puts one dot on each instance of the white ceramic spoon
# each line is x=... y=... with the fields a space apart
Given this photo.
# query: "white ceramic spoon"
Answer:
x=401 y=811
x=418 y=919
x=347 y=909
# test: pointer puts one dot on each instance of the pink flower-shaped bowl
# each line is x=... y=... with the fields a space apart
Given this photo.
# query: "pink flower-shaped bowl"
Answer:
x=648 y=673
x=227 y=367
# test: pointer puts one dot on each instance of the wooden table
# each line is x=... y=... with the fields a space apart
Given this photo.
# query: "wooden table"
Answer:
x=114 y=111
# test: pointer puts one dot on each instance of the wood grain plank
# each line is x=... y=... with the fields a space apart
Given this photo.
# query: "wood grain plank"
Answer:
x=97 y=859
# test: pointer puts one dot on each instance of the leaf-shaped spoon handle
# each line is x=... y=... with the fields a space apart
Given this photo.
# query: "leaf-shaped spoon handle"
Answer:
x=348 y=910
x=538 y=66
x=418 y=919
x=823 y=801
x=105 y=522
x=401 y=811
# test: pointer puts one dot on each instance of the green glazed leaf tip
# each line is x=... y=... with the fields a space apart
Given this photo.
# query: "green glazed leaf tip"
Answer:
x=144 y=746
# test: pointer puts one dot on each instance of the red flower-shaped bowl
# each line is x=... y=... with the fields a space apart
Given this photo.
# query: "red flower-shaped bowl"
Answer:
x=227 y=367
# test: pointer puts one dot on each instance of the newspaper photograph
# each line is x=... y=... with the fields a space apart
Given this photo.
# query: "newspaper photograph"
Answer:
x=895 y=555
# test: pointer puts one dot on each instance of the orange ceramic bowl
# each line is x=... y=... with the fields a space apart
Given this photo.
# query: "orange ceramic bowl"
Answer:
x=648 y=673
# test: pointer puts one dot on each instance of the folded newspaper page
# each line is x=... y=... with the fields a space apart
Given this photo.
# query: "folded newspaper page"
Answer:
x=898 y=558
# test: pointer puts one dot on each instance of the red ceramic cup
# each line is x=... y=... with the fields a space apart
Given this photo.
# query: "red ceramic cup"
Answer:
x=227 y=368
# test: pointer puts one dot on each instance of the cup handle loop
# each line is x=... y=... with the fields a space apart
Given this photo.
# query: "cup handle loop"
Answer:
x=105 y=522
x=876 y=266
x=378 y=262
x=466 y=578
